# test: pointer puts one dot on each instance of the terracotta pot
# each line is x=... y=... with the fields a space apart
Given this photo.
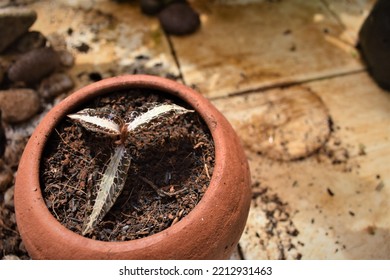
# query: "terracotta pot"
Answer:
x=210 y=231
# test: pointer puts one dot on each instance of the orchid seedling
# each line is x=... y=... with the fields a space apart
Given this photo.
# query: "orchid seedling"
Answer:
x=115 y=175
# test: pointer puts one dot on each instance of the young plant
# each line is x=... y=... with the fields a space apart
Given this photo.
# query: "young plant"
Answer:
x=115 y=175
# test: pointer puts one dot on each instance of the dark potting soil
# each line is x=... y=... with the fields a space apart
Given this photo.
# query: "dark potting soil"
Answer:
x=176 y=156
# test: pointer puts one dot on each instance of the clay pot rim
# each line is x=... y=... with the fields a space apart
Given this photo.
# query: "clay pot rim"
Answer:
x=105 y=86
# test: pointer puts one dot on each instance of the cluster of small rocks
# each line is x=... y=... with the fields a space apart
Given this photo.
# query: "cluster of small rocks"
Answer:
x=33 y=73
x=31 y=70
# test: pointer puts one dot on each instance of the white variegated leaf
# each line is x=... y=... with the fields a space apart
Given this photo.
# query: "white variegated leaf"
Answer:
x=154 y=113
x=96 y=121
x=110 y=187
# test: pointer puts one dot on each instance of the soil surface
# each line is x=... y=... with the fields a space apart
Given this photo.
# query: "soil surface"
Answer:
x=174 y=155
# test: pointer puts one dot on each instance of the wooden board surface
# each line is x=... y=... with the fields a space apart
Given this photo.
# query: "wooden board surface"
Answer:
x=331 y=203
x=242 y=47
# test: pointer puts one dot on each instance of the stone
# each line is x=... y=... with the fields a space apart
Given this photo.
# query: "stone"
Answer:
x=1 y=73
x=14 y=149
x=54 y=85
x=67 y=59
x=151 y=7
x=3 y=140
x=374 y=43
x=57 y=41
x=19 y=105
x=29 y=41
x=9 y=197
x=10 y=258
x=14 y=22
x=34 y=65
x=6 y=177
x=179 y=19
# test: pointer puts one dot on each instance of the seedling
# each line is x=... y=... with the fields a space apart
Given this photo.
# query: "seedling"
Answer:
x=115 y=175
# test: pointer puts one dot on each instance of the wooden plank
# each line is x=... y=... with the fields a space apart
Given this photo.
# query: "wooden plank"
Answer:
x=351 y=14
x=332 y=204
x=261 y=44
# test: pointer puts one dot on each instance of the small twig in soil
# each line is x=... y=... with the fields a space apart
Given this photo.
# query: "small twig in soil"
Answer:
x=198 y=145
x=69 y=146
x=159 y=191
x=207 y=170
x=74 y=219
x=179 y=215
x=128 y=198
x=8 y=228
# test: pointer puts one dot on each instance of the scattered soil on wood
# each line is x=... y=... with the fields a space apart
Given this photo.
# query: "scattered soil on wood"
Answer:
x=176 y=156
x=11 y=244
x=277 y=235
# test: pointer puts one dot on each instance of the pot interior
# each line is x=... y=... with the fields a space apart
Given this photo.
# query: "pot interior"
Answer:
x=172 y=160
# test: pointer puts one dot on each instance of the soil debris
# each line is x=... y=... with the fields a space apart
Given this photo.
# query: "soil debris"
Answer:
x=274 y=229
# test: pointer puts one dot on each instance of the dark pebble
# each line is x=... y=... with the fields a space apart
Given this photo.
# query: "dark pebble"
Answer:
x=83 y=47
x=374 y=43
x=14 y=21
x=151 y=7
x=3 y=140
x=29 y=41
x=179 y=19
x=34 y=65
x=6 y=177
x=1 y=73
x=95 y=76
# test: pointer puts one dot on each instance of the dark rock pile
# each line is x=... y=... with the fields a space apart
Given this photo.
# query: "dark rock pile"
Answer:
x=33 y=73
